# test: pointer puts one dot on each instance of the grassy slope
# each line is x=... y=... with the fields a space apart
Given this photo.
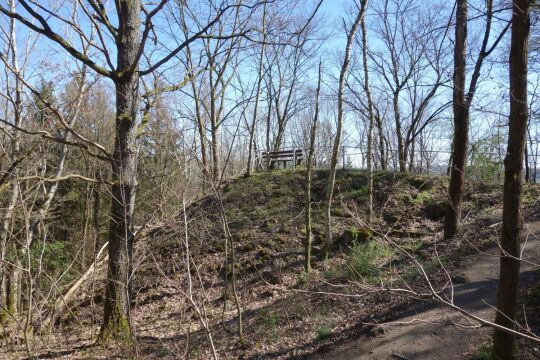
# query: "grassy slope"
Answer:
x=283 y=314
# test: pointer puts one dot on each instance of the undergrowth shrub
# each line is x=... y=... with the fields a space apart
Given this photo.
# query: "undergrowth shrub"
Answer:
x=270 y=321
x=423 y=197
x=365 y=260
x=54 y=257
x=359 y=194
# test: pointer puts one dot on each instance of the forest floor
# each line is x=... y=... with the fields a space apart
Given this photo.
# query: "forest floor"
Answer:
x=339 y=311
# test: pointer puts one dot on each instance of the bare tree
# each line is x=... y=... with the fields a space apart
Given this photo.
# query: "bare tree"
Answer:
x=222 y=56
x=410 y=65
x=260 y=78
x=404 y=58
x=371 y=117
x=9 y=284
x=504 y=346
x=309 y=164
x=129 y=43
x=461 y=108
x=339 y=130
x=290 y=45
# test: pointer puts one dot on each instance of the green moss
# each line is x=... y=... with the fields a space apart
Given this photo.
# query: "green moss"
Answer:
x=263 y=254
x=286 y=229
x=7 y=313
x=279 y=240
x=323 y=332
x=117 y=329
x=487 y=211
x=355 y=235
x=239 y=267
x=358 y=194
x=362 y=234
x=248 y=246
x=423 y=197
x=268 y=225
x=420 y=181
x=220 y=246
x=339 y=212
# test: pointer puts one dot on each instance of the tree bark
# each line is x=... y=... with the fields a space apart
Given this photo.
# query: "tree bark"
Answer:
x=309 y=163
x=402 y=156
x=367 y=89
x=382 y=143
x=13 y=284
x=268 y=120
x=461 y=124
x=116 y=317
x=12 y=273
x=527 y=170
x=504 y=345
x=216 y=167
x=461 y=107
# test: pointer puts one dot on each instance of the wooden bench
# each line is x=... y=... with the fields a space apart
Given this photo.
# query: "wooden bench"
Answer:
x=271 y=158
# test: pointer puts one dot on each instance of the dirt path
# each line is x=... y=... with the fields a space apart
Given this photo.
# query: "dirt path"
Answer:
x=431 y=333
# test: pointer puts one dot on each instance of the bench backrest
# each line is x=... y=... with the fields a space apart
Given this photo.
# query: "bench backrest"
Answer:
x=285 y=154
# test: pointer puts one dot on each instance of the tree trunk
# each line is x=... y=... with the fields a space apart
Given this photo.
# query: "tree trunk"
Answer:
x=367 y=89
x=401 y=147
x=215 y=152
x=252 y=143
x=214 y=125
x=382 y=144
x=196 y=100
x=461 y=106
x=13 y=284
x=527 y=166
x=412 y=155
x=268 y=120
x=504 y=346
x=339 y=131
x=200 y=128
x=280 y=133
x=461 y=125
x=5 y=231
x=309 y=162
x=116 y=317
